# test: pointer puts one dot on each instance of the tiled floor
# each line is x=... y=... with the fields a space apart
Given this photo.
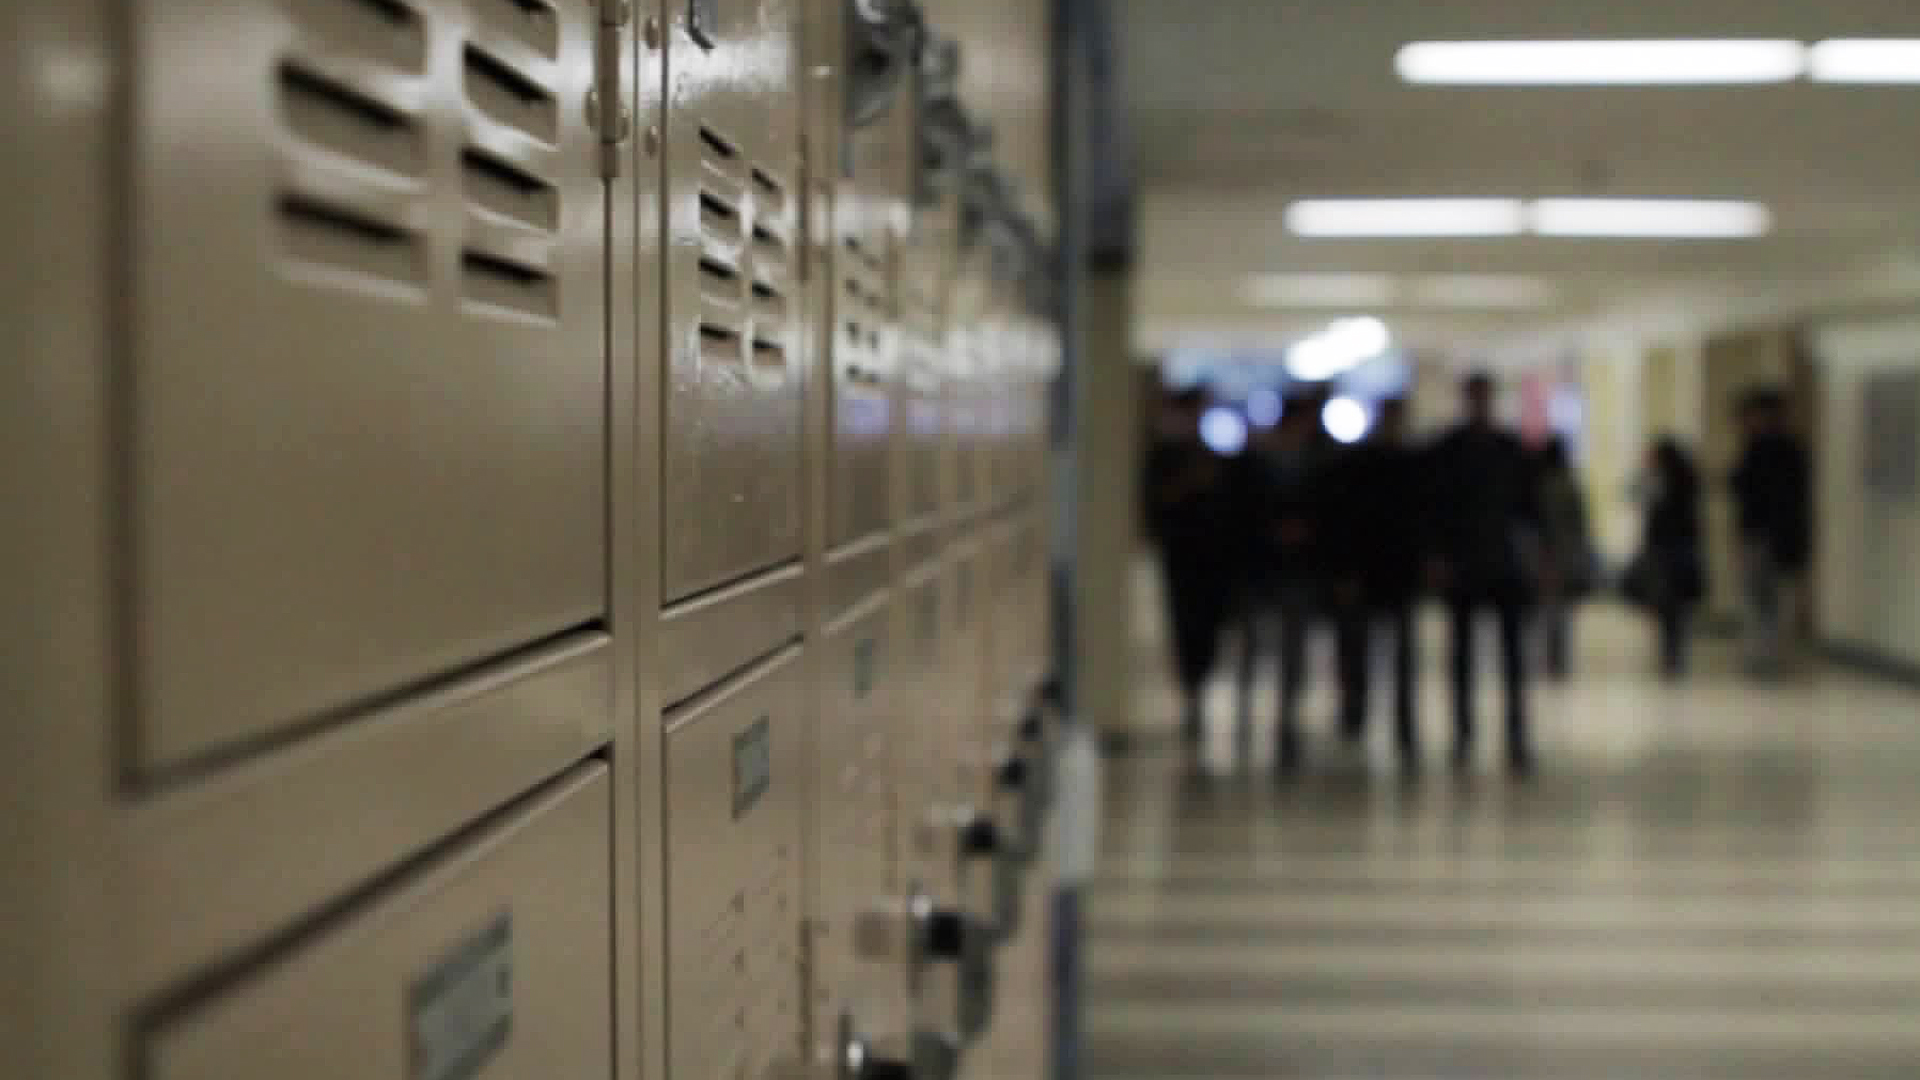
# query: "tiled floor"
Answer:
x=1712 y=879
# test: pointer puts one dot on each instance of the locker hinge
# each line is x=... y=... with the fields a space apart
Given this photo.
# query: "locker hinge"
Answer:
x=809 y=210
x=607 y=110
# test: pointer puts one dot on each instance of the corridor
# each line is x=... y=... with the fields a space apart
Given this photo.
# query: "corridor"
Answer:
x=1714 y=879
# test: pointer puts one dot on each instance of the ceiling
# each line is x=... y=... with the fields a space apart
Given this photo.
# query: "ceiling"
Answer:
x=1238 y=107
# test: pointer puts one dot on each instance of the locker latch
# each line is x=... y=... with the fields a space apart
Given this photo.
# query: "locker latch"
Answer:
x=607 y=110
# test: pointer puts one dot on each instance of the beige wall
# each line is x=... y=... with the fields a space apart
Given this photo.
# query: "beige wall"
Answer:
x=1611 y=374
x=1867 y=561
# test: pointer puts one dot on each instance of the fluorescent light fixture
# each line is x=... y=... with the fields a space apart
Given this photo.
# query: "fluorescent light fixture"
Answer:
x=1680 y=219
x=1326 y=290
x=1601 y=63
x=1865 y=60
x=1484 y=292
x=1385 y=218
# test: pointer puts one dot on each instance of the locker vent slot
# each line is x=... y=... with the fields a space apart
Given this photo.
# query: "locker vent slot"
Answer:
x=342 y=239
x=490 y=281
x=719 y=272
x=530 y=22
x=505 y=189
x=718 y=143
x=719 y=344
x=769 y=356
x=769 y=298
x=768 y=239
x=345 y=121
x=720 y=218
x=502 y=92
x=387 y=32
x=768 y=186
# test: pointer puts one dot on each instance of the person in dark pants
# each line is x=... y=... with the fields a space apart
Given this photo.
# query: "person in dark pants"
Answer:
x=1187 y=506
x=1485 y=539
x=1281 y=491
x=1566 y=555
x=1668 y=577
x=1376 y=540
x=1772 y=491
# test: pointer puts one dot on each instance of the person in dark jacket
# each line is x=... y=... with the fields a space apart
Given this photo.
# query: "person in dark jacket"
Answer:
x=1187 y=505
x=1375 y=544
x=1772 y=492
x=1669 y=574
x=1278 y=490
x=1485 y=522
x=1566 y=553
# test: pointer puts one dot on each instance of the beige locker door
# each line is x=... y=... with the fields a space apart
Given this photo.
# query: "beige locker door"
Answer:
x=925 y=756
x=923 y=406
x=362 y=354
x=492 y=963
x=731 y=459
x=736 y=771
x=865 y=374
x=854 y=800
x=966 y=661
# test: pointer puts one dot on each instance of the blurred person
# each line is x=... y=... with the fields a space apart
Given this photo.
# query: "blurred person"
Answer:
x=1485 y=525
x=1668 y=575
x=1277 y=492
x=1185 y=498
x=1773 y=504
x=1566 y=553
x=1376 y=514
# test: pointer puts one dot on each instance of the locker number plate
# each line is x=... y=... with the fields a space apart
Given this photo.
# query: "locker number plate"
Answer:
x=864 y=659
x=752 y=765
x=460 y=1012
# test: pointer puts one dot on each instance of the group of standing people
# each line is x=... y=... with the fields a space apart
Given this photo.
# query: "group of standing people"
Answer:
x=1299 y=528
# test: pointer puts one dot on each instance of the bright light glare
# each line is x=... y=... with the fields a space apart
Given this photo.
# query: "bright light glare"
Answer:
x=1601 y=63
x=1865 y=61
x=1264 y=408
x=1338 y=349
x=1346 y=419
x=1224 y=432
x=1656 y=218
x=1406 y=217
x=1326 y=290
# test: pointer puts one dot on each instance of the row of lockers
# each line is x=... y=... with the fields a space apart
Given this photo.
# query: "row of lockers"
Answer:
x=564 y=513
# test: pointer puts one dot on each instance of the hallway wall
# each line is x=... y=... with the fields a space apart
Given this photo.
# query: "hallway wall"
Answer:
x=1868 y=545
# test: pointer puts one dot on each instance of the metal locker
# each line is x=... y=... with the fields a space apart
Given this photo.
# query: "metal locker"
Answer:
x=732 y=398
x=865 y=374
x=926 y=479
x=929 y=743
x=875 y=144
x=967 y=349
x=493 y=962
x=855 y=785
x=364 y=434
x=735 y=779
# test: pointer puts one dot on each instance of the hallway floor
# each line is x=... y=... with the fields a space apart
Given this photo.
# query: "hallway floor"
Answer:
x=1710 y=879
